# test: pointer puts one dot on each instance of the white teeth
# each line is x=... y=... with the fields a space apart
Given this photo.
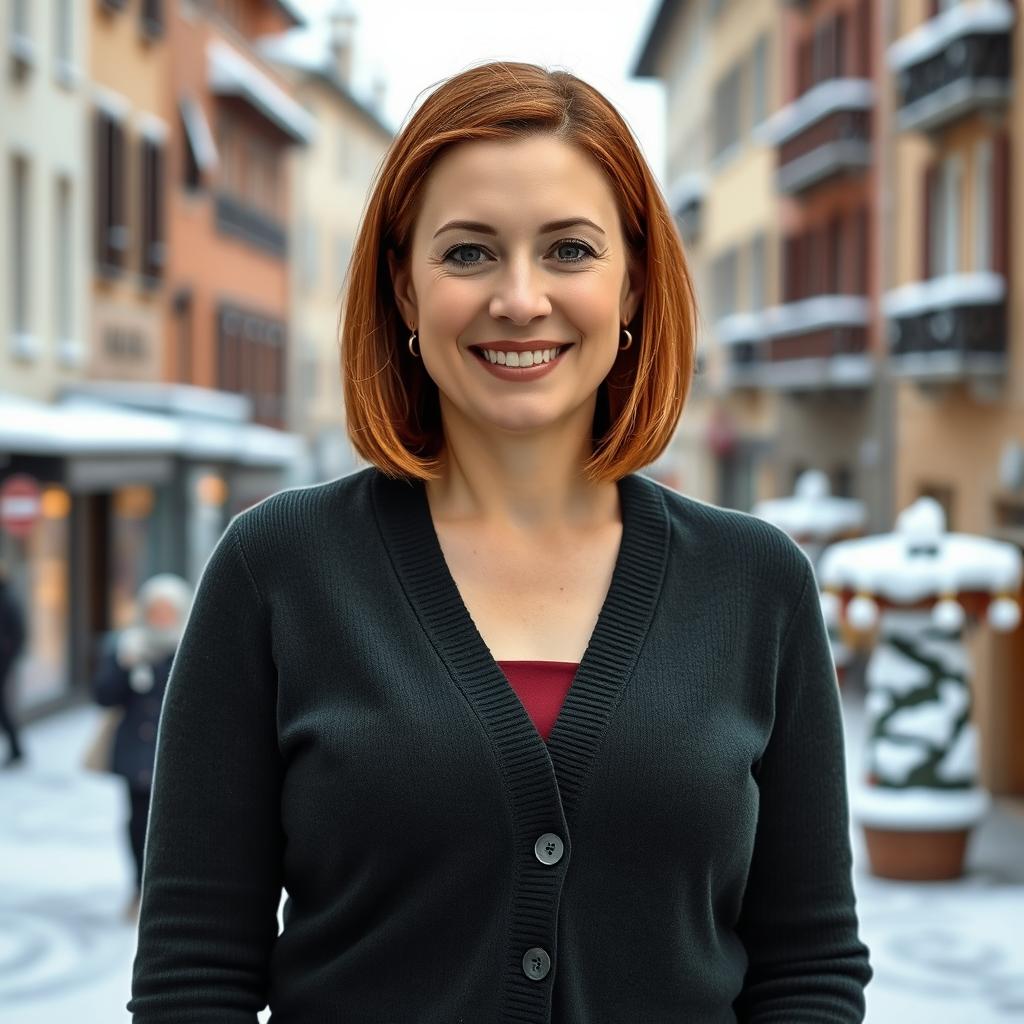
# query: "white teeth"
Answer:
x=520 y=358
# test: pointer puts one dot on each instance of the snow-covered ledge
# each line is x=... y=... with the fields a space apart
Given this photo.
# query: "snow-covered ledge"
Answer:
x=816 y=312
x=738 y=328
x=947 y=292
x=686 y=190
x=231 y=74
x=985 y=17
x=826 y=98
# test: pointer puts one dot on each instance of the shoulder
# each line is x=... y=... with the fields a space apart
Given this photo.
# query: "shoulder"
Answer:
x=293 y=528
x=747 y=549
x=300 y=512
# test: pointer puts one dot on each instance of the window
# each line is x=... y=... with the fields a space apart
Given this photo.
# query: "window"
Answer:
x=250 y=350
x=63 y=33
x=835 y=269
x=20 y=254
x=759 y=99
x=64 y=253
x=727 y=112
x=181 y=307
x=20 y=42
x=151 y=19
x=945 y=190
x=723 y=283
x=758 y=271
x=111 y=229
x=19 y=18
x=983 y=205
x=151 y=214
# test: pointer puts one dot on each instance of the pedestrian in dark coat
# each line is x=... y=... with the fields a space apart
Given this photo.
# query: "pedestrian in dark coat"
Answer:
x=12 y=640
x=133 y=673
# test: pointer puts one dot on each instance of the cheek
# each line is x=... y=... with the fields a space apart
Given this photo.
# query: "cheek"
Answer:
x=449 y=304
x=592 y=305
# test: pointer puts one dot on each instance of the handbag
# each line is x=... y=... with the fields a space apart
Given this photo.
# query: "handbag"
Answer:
x=99 y=753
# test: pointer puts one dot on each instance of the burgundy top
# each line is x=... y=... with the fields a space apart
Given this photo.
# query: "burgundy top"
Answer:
x=541 y=686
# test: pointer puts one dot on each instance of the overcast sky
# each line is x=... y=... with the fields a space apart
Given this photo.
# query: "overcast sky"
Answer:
x=415 y=43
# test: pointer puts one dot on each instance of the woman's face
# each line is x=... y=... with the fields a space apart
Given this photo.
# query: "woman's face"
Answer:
x=517 y=243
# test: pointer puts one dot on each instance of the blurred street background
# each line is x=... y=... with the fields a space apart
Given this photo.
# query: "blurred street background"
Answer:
x=180 y=186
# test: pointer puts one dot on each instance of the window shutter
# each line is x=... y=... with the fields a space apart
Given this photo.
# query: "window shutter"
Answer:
x=102 y=142
x=931 y=178
x=1001 y=203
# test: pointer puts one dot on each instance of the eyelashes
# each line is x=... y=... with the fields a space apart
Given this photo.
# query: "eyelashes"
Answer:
x=570 y=243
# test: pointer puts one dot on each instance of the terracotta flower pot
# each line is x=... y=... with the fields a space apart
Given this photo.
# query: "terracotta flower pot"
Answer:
x=930 y=856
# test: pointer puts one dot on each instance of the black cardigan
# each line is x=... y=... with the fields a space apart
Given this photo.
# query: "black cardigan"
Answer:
x=335 y=725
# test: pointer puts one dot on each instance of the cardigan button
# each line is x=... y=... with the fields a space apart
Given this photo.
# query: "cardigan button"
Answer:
x=549 y=848
x=536 y=963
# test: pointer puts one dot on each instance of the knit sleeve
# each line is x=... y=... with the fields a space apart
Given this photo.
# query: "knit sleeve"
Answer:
x=798 y=921
x=212 y=875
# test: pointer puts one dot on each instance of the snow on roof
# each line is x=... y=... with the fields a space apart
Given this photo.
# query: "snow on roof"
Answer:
x=949 y=290
x=920 y=560
x=931 y=38
x=81 y=425
x=819 y=101
x=812 y=511
x=229 y=73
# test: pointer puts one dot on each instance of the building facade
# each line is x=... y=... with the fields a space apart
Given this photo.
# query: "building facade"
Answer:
x=330 y=181
x=953 y=303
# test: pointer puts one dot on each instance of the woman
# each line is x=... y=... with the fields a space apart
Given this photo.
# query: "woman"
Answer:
x=372 y=706
x=133 y=674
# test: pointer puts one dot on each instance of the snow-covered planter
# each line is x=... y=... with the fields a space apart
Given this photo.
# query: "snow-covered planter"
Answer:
x=919 y=588
x=815 y=519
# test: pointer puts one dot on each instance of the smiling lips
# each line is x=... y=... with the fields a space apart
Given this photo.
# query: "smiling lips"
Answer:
x=524 y=354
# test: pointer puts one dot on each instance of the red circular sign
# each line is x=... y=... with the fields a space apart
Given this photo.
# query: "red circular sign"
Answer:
x=19 y=504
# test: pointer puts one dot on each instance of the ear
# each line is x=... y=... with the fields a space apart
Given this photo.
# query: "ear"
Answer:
x=633 y=288
x=405 y=294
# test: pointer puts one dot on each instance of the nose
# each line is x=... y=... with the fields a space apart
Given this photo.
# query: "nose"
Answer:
x=520 y=292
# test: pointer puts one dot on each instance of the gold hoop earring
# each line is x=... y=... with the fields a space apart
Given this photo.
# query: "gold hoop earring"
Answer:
x=629 y=340
x=412 y=338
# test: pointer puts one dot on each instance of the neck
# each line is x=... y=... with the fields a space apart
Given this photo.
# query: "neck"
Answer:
x=526 y=483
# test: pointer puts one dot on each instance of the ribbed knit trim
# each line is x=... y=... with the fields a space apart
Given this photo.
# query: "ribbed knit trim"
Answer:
x=543 y=780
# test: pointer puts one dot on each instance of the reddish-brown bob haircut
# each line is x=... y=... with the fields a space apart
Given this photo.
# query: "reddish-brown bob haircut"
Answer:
x=392 y=405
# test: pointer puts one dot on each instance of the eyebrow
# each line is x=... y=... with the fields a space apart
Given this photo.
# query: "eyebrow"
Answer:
x=486 y=229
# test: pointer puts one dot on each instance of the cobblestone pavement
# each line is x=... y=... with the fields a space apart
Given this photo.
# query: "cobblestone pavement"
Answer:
x=945 y=953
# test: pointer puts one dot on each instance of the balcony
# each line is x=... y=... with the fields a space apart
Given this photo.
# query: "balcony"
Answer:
x=823 y=134
x=816 y=344
x=948 y=328
x=954 y=65
x=740 y=336
x=238 y=219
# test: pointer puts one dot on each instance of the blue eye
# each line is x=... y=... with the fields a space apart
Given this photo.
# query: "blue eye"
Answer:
x=462 y=262
x=584 y=249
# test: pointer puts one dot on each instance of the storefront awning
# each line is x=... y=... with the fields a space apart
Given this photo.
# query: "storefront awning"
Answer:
x=86 y=426
x=200 y=138
x=231 y=74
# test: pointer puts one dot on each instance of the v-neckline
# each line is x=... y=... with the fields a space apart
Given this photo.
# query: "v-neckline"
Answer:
x=411 y=539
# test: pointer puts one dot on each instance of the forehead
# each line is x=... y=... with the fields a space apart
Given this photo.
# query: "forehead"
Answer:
x=515 y=184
